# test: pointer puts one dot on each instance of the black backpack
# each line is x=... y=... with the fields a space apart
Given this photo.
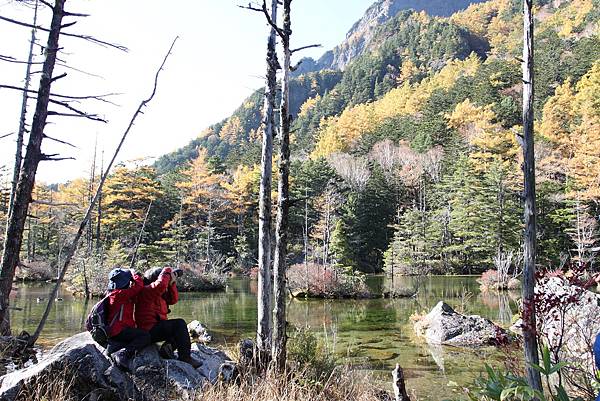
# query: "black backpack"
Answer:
x=97 y=321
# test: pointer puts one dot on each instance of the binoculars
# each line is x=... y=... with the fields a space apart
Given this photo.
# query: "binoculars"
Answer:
x=178 y=272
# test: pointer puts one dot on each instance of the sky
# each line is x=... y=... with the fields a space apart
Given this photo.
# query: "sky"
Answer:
x=217 y=62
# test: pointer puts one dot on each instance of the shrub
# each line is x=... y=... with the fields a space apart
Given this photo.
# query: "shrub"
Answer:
x=308 y=355
x=35 y=271
x=195 y=279
x=319 y=281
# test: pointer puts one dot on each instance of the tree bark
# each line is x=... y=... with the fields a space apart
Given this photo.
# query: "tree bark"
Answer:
x=264 y=330
x=529 y=240
x=281 y=226
x=33 y=156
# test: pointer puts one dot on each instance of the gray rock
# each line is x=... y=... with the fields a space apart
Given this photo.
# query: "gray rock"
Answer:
x=445 y=326
x=78 y=356
x=150 y=377
x=568 y=320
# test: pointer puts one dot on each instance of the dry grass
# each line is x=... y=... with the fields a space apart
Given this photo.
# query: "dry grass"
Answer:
x=56 y=387
x=342 y=385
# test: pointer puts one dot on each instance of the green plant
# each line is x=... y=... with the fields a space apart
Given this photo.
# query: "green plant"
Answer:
x=504 y=386
x=307 y=354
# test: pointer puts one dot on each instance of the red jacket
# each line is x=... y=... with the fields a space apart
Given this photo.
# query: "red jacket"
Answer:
x=152 y=303
x=121 y=303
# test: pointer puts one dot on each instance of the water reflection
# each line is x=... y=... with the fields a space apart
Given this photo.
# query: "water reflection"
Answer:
x=374 y=333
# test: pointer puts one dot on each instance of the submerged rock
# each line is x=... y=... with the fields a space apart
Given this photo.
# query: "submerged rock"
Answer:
x=82 y=367
x=443 y=325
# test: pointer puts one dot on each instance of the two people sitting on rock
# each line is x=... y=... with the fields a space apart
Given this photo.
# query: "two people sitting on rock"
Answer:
x=137 y=314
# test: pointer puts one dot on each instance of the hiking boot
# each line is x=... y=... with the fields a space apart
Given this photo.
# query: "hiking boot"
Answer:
x=122 y=359
x=166 y=351
x=195 y=364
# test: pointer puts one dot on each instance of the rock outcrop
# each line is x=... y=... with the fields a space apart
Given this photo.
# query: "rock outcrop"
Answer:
x=359 y=37
x=445 y=326
x=80 y=364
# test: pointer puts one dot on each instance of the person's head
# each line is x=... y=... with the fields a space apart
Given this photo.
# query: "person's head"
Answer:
x=119 y=278
x=151 y=275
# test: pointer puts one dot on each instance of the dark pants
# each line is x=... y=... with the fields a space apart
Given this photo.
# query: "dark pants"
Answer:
x=173 y=331
x=132 y=339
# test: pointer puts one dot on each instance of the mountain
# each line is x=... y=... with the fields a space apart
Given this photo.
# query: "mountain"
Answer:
x=347 y=70
x=360 y=36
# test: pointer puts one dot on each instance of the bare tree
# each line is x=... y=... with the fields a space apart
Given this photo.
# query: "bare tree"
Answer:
x=264 y=332
x=354 y=170
x=584 y=233
x=33 y=156
x=281 y=225
x=529 y=240
x=23 y=116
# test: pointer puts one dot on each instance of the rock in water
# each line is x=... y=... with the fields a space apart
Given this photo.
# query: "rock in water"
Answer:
x=82 y=362
x=443 y=325
x=198 y=332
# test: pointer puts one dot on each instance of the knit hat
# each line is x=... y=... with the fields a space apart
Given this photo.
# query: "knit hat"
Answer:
x=119 y=278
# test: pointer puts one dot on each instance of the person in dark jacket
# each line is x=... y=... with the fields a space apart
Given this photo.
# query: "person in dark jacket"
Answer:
x=124 y=337
x=152 y=307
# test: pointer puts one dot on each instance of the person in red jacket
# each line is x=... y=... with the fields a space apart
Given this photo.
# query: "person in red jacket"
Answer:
x=124 y=336
x=152 y=307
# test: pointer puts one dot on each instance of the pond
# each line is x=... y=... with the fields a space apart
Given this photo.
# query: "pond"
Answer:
x=371 y=334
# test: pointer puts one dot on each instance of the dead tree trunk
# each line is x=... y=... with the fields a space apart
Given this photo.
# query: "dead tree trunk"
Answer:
x=399 y=385
x=281 y=226
x=264 y=330
x=33 y=156
x=23 y=117
x=529 y=240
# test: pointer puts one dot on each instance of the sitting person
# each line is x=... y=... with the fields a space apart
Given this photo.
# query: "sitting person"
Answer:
x=152 y=307
x=123 y=335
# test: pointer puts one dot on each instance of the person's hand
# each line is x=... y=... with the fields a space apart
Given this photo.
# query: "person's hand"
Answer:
x=597 y=278
x=173 y=279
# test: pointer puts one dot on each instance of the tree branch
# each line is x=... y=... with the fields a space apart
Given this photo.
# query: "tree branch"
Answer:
x=264 y=10
x=55 y=159
x=79 y=114
x=59 y=141
x=67 y=97
x=304 y=48
x=6 y=135
x=73 y=35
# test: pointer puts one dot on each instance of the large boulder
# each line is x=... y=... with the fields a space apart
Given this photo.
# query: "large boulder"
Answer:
x=568 y=318
x=445 y=326
x=79 y=361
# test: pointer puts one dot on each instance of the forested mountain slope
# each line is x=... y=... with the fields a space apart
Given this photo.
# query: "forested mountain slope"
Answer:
x=407 y=160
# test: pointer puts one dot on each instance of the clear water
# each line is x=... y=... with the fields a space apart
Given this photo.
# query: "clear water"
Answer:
x=372 y=334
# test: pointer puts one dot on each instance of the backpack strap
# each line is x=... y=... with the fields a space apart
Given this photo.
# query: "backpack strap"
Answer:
x=118 y=316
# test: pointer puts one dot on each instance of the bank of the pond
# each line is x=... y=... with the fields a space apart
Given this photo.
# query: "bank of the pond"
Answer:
x=373 y=334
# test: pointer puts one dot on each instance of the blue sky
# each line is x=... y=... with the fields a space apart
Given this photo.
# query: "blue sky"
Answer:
x=217 y=62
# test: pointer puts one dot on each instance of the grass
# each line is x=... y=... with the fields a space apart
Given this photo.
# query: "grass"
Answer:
x=341 y=385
